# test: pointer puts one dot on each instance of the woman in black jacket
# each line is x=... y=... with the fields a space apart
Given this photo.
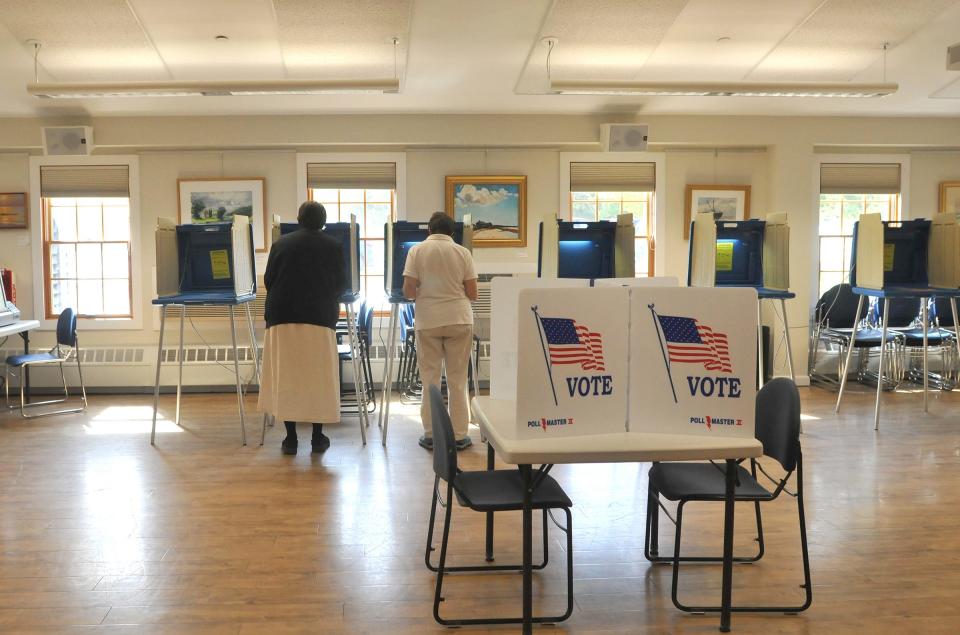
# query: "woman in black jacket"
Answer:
x=305 y=278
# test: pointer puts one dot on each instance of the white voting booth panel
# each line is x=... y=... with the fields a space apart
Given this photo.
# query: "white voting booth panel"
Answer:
x=944 y=253
x=693 y=361
x=870 y=251
x=572 y=370
x=504 y=296
x=776 y=252
x=656 y=281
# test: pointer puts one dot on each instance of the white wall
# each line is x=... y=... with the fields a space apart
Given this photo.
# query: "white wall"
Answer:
x=773 y=155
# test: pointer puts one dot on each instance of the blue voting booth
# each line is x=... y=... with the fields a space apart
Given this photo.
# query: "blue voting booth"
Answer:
x=212 y=265
x=587 y=250
x=348 y=235
x=904 y=260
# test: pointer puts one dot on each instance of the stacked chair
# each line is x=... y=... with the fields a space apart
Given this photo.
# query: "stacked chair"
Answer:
x=832 y=328
x=905 y=318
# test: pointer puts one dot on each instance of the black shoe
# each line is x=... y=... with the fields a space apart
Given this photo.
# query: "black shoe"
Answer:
x=464 y=443
x=289 y=447
x=426 y=443
x=320 y=444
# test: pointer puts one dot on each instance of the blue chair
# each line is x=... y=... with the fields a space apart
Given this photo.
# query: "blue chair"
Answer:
x=66 y=349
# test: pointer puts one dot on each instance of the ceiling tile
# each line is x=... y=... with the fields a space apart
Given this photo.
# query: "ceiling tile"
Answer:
x=85 y=40
x=843 y=37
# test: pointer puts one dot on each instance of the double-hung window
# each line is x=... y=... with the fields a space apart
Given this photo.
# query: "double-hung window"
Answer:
x=601 y=191
x=848 y=190
x=87 y=240
x=367 y=190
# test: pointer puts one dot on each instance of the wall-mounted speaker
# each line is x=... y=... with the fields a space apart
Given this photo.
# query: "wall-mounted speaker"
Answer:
x=68 y=140
x=623 y=137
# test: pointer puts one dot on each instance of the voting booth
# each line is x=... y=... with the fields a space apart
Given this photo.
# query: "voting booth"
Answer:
x=751 y=253
x=199 y=264
x=348 y=235
x=944 y=252
x=587 y=250
x=400 y=238
x=205 y=264
x=641 y=359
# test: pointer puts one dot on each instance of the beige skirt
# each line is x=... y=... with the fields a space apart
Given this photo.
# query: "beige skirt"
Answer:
x=301 y=375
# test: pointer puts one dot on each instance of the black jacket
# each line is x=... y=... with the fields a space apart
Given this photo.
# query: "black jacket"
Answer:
x=304 y=279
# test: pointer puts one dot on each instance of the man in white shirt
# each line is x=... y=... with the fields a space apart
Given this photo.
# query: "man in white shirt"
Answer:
x=439 y=274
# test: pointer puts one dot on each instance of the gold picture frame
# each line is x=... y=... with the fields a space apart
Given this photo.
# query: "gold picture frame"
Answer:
x=497 y=205
x=732 y=201
x=226 y=194
x=14 y=210
x=950 y=197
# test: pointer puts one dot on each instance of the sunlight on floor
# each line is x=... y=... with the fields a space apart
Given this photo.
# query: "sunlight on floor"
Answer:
x=129 y=420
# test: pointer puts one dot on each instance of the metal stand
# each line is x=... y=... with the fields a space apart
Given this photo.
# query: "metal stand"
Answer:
x=236 y=364
x=786 y=337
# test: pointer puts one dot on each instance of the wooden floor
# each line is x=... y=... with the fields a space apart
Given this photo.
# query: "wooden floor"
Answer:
x=102 y=533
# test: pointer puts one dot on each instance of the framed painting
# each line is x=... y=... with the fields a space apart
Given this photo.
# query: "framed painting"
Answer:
x=727 y=202
x=217 y=200
x=497 y=205
x=13 y=210
x=950 y=197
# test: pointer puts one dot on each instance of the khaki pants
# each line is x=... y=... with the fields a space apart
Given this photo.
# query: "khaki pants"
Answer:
x=450 y=346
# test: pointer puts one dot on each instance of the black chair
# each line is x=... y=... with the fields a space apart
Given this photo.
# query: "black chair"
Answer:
x=486 y=491
x=906 y=318
x=833 y=325
x=365 y=328
x=778 y=429
x=66 y=349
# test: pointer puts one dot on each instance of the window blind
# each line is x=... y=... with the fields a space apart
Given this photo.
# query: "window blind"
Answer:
x=612 y=177
x=352 y=176
x=85 y=181
x=860 y=178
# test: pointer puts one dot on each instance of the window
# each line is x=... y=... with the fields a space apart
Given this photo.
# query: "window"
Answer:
x=373 y=208
x=838 y=213
x=596 y=206
x=849 y=188
x=86 y=250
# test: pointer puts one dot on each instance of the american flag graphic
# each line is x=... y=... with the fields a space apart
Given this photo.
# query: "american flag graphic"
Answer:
x=689 y=342
x=572 y=343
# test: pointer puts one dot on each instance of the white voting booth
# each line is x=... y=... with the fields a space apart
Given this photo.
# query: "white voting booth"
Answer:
x=637 y=359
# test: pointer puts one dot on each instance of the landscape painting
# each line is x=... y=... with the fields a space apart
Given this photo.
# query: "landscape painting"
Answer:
x=204 y=201
x=497 y=205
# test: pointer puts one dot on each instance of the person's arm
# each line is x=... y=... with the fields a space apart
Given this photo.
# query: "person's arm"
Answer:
x=410 y=287
x=470 y=288
x=270 y=274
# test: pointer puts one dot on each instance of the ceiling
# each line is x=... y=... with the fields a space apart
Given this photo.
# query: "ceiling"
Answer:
x=481 y=56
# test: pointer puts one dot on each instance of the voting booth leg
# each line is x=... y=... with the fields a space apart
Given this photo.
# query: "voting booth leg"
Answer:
x=883 y=354
x=156 y=383
x=923 y=315
x=850 y=347
x=726 y=593
x=525 y=471
x=183 y=315
x=236 y=371
x=358 y=387
x=254 y=348
x=388 y=374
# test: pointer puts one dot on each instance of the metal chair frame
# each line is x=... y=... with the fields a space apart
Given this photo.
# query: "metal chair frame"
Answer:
x=61 y=357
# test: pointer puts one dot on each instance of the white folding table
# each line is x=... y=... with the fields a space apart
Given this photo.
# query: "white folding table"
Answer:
x=497 y=419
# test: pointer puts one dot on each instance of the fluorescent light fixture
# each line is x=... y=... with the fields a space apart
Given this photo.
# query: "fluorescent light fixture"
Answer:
x=91 y=90
x=721 y=89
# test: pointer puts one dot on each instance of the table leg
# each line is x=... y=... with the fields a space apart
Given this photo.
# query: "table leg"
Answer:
x=156 y=383
x=883 y=354
x=923 y=312
x=846 y=364
x=726 y=594
x=786 y=335
x=490 y=464
x=25 y=336
x=236 y=371
x=525 y=471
